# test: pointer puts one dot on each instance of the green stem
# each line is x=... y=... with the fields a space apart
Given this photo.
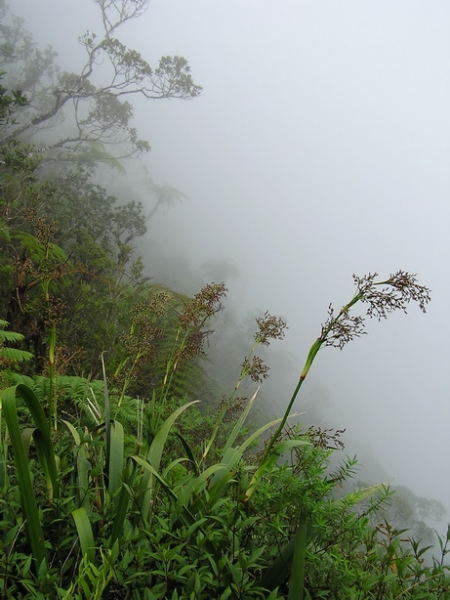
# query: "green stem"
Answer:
x=51 y=369
x=308 y=364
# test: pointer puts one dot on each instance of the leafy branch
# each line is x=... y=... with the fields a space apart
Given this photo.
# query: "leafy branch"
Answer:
x=98 y=115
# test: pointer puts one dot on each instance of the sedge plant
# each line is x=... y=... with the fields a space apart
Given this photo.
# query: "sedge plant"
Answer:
x=382 y=298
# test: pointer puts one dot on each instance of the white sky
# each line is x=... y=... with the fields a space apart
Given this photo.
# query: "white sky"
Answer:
x=319 y=148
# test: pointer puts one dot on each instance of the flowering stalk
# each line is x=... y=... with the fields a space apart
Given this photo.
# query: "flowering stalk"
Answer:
x=383 y=297
x=270 y=327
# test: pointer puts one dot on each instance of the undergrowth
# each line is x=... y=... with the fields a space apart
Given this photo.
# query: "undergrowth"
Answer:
x=158 y=499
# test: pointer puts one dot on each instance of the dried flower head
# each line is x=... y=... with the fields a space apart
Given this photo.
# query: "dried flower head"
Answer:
x=338 y=331
x=194 y=344
x=269 y=328
x=383 y=297
x=395 y=294
x=326 y=438
x=159 y=303
x=204 y=304
x=256 y=368
x=45 y=230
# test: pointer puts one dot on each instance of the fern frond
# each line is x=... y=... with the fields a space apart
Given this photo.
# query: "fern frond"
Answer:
x=11 y=354
x=15 y=355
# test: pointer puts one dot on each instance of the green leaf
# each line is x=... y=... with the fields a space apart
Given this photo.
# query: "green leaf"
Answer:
x=297 y=579
x=85 y=534
x=271 y=459
x=232 y=458
x=28 y=500
x=154 y=455
x=14 y=354
x=120 y=514
x=115 y=456
x=82 y=467
x=157 y=446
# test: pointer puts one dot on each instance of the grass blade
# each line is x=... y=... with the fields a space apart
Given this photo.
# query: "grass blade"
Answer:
x=154 y=455
x=82 y=467
x=121 y=513
x=45 y=449
x=115 y=457
x=297 y=579
x=28 y=500
x=279 y=570
x=231 y=461
x=240 y=422
x=157 y=446
x=85 y=535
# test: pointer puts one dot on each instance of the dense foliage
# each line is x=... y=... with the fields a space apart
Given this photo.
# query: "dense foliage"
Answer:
x=114 y=481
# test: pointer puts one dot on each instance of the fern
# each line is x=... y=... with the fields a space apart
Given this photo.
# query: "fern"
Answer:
x=11 y=355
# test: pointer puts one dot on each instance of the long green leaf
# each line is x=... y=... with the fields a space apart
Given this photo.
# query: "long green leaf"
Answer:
x=4 y=479
x=231 y=460
x=189 y=453
x=297 y=579
x=240 y=422
x=107 y=417
x=120 y=514
x=236 y=429
x=279 y=570
x=184 y=513
x=115 y=456
x=157 y=446
x=28 y=500
x=85 y=534
x=82 y=467
x=195 y=485
x=45 y=449
x=150 y=469
x=154 y=455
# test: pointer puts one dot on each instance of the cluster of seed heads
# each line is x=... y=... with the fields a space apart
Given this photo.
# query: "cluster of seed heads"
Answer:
x=159 y=303
x=325 y=438
x=204 y=305
x=382 y=298
x=338 y=331
x=255 y=368
x=141 y=338
x=45 y=230
x=395 y=294
x=194 y=344
x=269 y=328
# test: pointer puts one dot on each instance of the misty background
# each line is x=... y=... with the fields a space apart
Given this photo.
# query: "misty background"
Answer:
x=318 y=148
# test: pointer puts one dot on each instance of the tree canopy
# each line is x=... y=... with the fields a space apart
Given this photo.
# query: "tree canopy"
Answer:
x=94 y=103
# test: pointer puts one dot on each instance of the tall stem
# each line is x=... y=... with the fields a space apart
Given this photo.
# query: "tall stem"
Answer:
x=308 y=363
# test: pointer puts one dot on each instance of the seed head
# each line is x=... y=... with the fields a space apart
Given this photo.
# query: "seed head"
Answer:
x=338 y=331
x=395 y=294
x=256 y=368
x=204 y=304
x=382 y=297
x=269 y=328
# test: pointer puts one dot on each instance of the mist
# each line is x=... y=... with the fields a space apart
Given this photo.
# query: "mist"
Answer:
x=318 y=148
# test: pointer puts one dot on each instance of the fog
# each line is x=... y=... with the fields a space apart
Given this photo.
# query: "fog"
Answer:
x=318 y=148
